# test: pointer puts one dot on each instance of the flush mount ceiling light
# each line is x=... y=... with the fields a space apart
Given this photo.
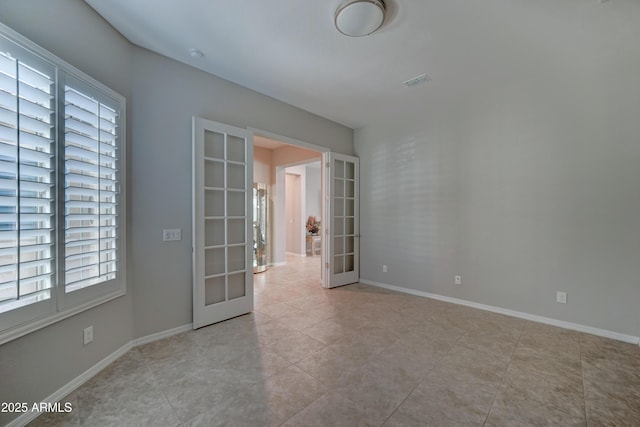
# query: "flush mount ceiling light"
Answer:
x=356 y=18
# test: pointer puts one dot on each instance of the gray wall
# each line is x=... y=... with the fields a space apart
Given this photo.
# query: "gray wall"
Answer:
x=523 y=188
x=36 y=365
x=166 y=94
x=162 y=95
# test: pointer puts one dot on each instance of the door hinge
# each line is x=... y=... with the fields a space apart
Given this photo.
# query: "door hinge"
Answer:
x=327 y=164
x=326 y=265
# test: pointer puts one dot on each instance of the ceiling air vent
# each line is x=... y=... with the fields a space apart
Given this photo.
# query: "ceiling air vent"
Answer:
x=418 y=80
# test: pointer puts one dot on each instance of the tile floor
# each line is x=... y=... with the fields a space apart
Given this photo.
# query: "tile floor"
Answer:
x=363 y=356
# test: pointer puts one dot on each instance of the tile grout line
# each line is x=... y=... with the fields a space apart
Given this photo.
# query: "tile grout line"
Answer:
x=306 y=406
x=584 y=393
x=155 y=380
x=295 y=364
x=315 y=378
x=527 y=329
x=505 y=375
x=423 y=378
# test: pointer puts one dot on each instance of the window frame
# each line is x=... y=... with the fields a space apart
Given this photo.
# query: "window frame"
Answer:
x=62 y=305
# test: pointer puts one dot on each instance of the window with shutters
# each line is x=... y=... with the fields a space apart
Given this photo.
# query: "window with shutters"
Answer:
x=61 y=174
x=90 y=148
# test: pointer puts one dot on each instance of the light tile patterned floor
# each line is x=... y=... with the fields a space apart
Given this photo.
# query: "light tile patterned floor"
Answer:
x=363 y=356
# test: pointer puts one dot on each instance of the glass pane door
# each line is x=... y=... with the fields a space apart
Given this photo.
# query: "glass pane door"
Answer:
x=222 y=197
x=343 y=260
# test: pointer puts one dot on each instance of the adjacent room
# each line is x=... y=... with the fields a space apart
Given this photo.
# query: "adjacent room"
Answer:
x=319 y=213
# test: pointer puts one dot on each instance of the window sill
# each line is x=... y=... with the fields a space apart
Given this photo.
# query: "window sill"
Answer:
x=27 y=328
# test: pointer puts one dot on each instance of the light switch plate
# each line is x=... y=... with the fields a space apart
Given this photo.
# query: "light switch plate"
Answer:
x=171 y=234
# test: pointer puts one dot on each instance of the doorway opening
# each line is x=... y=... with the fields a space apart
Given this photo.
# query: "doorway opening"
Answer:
x=223 y=230
x=303 y=209
x=292 y=174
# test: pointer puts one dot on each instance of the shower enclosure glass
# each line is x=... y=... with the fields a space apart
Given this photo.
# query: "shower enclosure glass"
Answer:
x=260 y=202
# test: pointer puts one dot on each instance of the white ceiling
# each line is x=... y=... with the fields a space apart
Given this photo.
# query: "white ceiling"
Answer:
x=290 y=50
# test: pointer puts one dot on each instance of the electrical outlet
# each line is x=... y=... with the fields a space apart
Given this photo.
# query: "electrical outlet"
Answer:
x=171 y=234
x=87 y=335
x=457 y=280
x=384 y=268
x=561 y=297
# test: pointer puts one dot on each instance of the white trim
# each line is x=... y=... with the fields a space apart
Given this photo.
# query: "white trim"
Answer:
x=287 y=140
x=295 y=254
x=331 y=278
x=32 y=326
x=300 y=171
x=204 y=315
x=74 y=384
x=513 y=313
x=277 y=264
x=78 y=381
x=98 y=295
x=161 y=335
x=278 y=224
x=55 y=60
x=279 y=211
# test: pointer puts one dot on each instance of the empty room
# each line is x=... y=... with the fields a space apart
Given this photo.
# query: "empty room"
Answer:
x=319 y=213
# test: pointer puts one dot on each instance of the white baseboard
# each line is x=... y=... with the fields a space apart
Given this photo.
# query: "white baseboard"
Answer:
x=296 y=254
x=75 y=383
x=277 y=264
x=513 y=313
x=161 y=335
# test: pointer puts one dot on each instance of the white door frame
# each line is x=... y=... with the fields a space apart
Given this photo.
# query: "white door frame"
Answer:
x=281 y=172
x=302 y=202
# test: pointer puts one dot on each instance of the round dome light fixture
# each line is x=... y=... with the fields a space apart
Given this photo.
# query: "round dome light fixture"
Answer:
x=357 y=18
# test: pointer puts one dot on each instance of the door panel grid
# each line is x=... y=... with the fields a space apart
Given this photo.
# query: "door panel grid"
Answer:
x=226 y=216
x=342 y=263
x=222 y=169
x=343 y=217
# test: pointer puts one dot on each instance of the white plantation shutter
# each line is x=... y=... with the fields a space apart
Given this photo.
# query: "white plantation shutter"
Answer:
x=26 y=182
x=91 y=180
x=61 y=168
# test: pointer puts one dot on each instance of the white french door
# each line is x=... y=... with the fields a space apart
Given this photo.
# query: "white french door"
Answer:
x=341 y=254
x=222 y=221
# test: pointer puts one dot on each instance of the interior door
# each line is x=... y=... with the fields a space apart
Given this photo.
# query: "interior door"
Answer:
x=222 y=222
x=342 y=239
x=293 y=212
